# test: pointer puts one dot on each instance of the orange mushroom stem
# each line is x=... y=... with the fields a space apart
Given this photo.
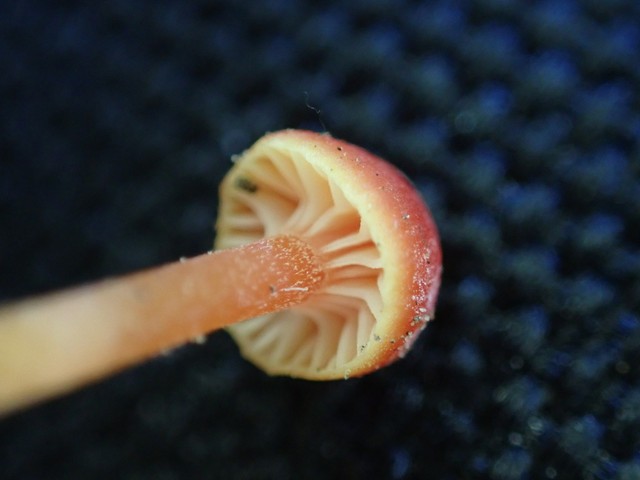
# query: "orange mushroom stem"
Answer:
x=54 y=343
x=328 y=266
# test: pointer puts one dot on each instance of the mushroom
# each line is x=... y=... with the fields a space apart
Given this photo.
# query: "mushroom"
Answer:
x=327 y=265
x=377 y=243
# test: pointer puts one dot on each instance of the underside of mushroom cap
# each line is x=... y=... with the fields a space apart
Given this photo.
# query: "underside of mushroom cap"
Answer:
x=377 y=239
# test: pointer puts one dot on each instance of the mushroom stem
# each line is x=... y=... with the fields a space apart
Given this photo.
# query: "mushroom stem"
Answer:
x=50 y=345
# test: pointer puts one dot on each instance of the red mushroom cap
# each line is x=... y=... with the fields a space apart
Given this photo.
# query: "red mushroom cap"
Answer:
x=377 y=239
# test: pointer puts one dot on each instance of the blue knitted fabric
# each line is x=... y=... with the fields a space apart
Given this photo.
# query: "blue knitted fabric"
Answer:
x=519 y=122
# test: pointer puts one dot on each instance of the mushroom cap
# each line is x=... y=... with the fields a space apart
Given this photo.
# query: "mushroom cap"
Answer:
x=372 y=230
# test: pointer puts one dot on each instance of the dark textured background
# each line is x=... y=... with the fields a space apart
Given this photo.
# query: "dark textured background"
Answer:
x=519 y=122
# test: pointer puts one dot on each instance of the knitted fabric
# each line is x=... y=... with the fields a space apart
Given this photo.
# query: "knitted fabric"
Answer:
x=517 y=120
